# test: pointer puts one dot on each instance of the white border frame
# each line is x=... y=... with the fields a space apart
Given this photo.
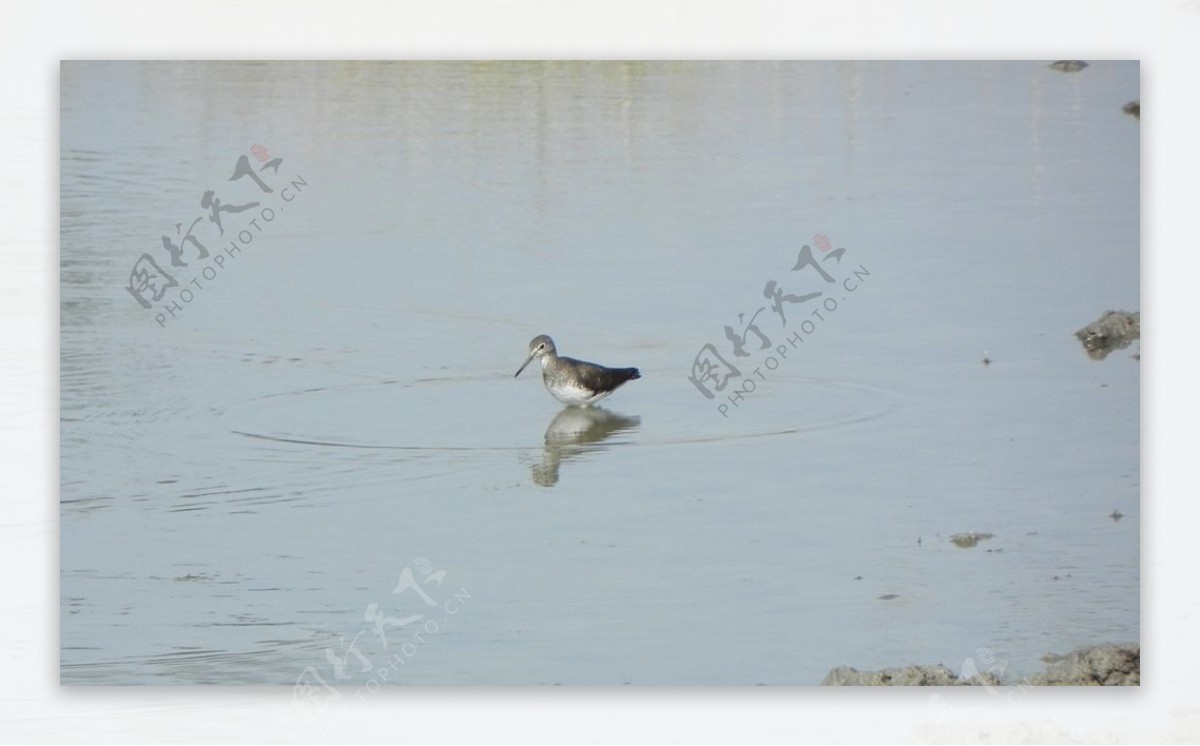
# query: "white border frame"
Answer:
x=1164 y=34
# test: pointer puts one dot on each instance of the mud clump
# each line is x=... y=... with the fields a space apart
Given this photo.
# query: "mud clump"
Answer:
x=1115 y=330
x=966 y=541
x=1068 y=66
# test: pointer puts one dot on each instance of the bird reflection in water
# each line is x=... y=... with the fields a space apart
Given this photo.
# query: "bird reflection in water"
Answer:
x=575 y=431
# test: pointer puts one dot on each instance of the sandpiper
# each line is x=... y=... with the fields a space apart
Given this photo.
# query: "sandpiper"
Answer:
x=574 y=381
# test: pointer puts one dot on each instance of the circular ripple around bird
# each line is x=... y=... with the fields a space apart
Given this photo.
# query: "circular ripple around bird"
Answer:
x=493 y=412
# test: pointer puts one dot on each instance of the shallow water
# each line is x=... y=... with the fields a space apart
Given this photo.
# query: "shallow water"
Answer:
x=324 y=448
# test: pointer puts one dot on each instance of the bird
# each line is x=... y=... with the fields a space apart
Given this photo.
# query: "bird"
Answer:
x=572 y=381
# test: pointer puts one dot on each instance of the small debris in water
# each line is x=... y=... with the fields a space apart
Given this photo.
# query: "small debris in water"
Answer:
x=1133 y=108
x=986 y=360
x=966 y=541
x=1116 y=515
x=888 y=596
x=858 y=577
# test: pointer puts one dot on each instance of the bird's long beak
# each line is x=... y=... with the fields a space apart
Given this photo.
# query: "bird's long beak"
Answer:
x=524 y=364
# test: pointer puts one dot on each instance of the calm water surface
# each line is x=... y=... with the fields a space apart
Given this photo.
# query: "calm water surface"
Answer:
x=323 y=449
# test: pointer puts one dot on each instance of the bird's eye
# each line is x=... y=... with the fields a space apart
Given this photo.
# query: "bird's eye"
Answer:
x=542 y=346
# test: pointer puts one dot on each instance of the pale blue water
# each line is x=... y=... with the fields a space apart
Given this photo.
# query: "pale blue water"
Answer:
x=336 y=403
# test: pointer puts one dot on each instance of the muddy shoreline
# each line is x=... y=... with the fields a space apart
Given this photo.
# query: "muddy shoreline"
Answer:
x=1100 y=665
